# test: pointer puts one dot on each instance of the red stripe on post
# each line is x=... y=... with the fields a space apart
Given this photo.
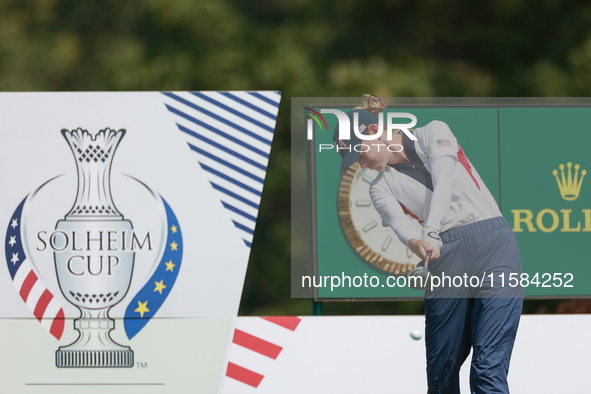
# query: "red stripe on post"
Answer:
x=244 y=375
x=28 y=285
x=256 y=344
x=45 y=299
x=57 y=327
x=289 y=322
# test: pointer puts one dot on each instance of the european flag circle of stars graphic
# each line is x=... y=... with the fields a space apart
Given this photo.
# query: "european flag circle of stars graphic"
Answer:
x=150 y=298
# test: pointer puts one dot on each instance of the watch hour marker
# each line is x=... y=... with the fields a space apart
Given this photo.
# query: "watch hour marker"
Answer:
x=363 y=203
x=387 y=243
x=367 y=178
x=370 y=226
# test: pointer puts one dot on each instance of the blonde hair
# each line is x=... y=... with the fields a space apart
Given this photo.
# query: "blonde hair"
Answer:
x=373 y=103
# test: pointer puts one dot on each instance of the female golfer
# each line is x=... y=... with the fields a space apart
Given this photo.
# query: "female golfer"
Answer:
x=431 y=180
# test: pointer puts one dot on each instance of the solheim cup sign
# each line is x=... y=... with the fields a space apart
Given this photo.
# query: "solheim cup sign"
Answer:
x=128 y=220
x=94 y=249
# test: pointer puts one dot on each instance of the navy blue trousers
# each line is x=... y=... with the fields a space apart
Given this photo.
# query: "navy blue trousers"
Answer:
x=483 y=318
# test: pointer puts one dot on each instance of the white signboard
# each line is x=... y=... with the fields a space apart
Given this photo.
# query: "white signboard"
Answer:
x=127 y=207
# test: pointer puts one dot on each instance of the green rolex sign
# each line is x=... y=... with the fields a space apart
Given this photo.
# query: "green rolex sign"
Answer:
x=545 y=195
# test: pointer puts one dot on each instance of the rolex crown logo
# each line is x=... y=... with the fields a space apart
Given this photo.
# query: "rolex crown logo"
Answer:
x=569 y=187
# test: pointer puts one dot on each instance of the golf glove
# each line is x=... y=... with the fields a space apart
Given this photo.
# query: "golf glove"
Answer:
x=431 y=235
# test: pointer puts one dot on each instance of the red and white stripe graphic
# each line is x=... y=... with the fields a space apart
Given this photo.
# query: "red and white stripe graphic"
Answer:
x=256 y=344
x=39 y=300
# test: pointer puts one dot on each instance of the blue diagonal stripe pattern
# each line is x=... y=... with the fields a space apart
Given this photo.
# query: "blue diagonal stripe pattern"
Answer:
x=236 y=196
x=219 y=118
x=247 y=104
x=238 y=211
x=226 y=163
x=234 y=181
x=227 y=150
x=265 y=99
x=229 y=109
x=221 y=133
x=230 y=134
x=243 y=227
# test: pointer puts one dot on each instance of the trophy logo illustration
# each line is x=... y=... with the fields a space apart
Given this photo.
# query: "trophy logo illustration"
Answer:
x=94 y=250
x=97 y=277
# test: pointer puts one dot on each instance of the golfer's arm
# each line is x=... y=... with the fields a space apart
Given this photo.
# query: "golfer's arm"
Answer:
x=393 y=215
x=442 y=172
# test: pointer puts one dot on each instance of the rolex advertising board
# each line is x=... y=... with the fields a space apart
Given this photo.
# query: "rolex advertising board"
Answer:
x=546 y=195
x=128 y=219
x=531 y=157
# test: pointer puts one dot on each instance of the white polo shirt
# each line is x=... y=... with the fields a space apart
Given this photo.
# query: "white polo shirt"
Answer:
x=407 y=189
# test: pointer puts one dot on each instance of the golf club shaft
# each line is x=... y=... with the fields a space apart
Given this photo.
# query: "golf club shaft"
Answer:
x=427 y=258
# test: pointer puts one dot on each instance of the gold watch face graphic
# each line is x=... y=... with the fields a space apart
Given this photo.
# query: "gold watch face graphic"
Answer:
x=362 y=225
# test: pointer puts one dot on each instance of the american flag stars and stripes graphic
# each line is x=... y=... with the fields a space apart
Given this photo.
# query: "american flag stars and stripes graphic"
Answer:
x=256 y=344
x=231 y=135
x=40 y=301
x=444 y=142
x=341 y=143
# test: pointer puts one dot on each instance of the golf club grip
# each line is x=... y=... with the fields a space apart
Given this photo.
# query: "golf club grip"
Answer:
x=427 y=258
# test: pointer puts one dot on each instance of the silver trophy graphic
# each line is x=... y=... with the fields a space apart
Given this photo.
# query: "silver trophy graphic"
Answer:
x=94 y=257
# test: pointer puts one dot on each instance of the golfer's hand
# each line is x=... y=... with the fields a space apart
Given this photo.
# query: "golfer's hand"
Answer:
x=420 y=247
x=431 y=235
